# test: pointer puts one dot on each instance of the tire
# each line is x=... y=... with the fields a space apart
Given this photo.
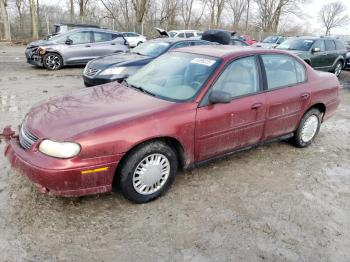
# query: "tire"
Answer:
x=308 y=128
x=136 y=181
x=338 y=68
x=139 y=43
x=52 y=61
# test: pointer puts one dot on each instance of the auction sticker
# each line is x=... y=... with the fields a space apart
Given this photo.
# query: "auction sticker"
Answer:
x=203 y=61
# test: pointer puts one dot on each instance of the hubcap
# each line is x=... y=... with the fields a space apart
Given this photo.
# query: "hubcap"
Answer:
x=53 y=61
x=309 y=129
x=151 y=174
x=338 y=69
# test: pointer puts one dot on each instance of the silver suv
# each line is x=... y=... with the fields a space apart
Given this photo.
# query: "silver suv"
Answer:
x=76 y=47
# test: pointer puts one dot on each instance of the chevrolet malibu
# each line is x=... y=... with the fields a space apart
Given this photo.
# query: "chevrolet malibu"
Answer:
x=185 y=108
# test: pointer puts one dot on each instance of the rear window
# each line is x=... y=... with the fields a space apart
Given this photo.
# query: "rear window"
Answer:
x=339 y=45
x=330 y=45
x=189 y=35
x=102 y=37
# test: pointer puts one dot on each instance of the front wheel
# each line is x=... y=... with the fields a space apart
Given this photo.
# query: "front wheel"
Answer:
x=52 y=61
x=338 y=67
x=148 y=172
x=308 y=128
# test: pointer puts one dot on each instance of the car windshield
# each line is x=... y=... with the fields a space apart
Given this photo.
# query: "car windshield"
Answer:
x=152 y=49
x=174 y=76
x=172 y=34
x=297 y=44
x=270 y=39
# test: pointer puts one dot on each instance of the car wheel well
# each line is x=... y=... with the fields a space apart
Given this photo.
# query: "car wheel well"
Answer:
x=308 y=62
x=170 y=141
x=320 y=106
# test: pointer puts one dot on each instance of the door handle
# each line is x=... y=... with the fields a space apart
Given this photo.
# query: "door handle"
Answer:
x=305 y=96
x=256 y=106
x=112 y=43
x=88 y=46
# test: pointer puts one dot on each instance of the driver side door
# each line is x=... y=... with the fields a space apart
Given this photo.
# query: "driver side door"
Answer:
x=222 y=128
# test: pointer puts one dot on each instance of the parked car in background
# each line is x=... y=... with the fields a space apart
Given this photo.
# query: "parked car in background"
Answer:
x=118 y=67
x=325 y=54
x=238 y=42
x=179 y=33
x=270 y=41
x=76 y=47
x=187 y=107
x=134 y=39
x=248 y=39
x=64 y=28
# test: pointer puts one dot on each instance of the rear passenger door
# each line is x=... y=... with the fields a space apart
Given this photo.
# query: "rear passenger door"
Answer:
x=332 y=53
x=105 y=43
x=287 y=94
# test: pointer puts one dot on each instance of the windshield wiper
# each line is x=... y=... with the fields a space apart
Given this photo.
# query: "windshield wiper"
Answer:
x=138 y=88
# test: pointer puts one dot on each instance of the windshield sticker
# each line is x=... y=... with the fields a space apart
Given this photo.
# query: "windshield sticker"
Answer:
x=203 y=61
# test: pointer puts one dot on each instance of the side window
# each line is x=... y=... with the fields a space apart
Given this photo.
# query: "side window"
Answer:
x=283 y=70
x=182 y=44
x=240 y=78
x=114 y=36
x=330 y=45
x=102 y=37
x=319 y=44
x=182 y=35
x=80 y=37
x=189 y=35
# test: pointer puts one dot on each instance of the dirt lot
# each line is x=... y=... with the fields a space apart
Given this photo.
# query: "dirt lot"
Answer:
x=273 y=203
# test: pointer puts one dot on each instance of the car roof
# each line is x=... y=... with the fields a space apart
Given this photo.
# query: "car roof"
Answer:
x=93 y=29
x=184 y=31
x=223 y=51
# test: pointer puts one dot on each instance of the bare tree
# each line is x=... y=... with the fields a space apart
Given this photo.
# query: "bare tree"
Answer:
x=237 y=8
x=5 y=20
x=71 y=4
x=82 y=9
x=216 y=8
x=19 y=6
x=270 y=12
x=186 y=11
x=168 y=11
x=140 y=8
x=247 y=15
x=333 y=15
x=34 y=19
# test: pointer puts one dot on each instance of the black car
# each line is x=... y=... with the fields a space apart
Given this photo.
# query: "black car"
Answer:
x=118 y=67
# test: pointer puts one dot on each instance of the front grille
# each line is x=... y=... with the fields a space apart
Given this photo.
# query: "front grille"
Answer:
x=89 y=71
x=26 y=138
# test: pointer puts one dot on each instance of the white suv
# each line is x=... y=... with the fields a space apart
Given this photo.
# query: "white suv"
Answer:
x=133 y=39
x=185 y=33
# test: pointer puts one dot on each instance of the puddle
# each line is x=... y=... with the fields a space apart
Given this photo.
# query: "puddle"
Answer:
x=338 y=171
x=8 y=103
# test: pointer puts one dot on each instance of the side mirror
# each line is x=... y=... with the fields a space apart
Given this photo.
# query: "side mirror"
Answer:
x=219 y=97
x=69 y=42
x=316 y=50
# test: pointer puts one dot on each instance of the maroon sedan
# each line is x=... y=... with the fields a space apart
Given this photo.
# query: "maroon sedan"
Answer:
x=183 y=109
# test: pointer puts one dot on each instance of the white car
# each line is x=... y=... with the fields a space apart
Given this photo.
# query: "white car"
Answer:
x=180 y=33
x=134 y=39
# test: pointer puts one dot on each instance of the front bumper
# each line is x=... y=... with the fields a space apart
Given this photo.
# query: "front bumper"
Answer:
x=90 y=81
x=33 y=57
x=75 y=179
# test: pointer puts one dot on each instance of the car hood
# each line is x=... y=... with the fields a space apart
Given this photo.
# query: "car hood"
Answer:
x=120 y=59
x=265 y=45
x=65 y=118
x=40 y=43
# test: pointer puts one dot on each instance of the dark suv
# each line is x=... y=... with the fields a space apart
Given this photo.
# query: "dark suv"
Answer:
x=326 y=54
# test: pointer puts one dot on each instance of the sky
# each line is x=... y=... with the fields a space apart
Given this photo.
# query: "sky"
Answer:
x=311 y=20
x=308 y=19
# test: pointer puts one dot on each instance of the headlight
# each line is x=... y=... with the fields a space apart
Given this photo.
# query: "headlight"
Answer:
x=114 y=70
x=59 y=149
x=41 y=50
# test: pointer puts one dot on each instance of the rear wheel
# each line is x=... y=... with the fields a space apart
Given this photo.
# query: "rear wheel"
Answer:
x=338 y=67
x=52 y=61
x=308 y=128
x=148 y=172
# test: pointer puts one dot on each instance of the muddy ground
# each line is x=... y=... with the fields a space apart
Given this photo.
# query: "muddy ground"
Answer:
x=273 y=203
